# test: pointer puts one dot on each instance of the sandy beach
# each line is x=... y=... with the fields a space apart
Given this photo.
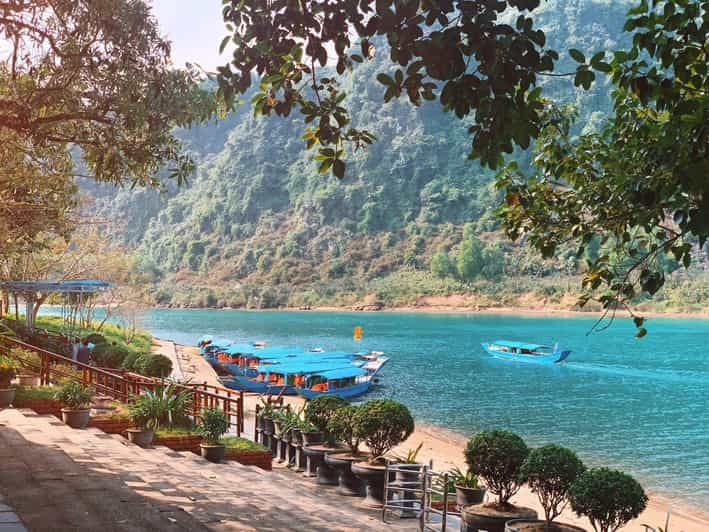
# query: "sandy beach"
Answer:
x=445 y=448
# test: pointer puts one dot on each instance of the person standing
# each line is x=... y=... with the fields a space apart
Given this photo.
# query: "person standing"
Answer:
x=83 y=354
x=76 y=343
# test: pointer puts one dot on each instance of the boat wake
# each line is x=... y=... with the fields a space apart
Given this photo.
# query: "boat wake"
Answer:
x=664 y=375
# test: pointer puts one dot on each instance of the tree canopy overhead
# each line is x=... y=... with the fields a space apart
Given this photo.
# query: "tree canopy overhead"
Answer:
x=97 y=75
x=456 y=51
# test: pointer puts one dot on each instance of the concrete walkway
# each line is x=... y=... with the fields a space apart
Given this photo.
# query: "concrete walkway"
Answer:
x=58 y=478
x=9 y=520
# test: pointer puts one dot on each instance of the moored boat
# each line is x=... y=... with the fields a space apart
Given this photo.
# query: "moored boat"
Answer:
x=525 y=352
x=343 y=382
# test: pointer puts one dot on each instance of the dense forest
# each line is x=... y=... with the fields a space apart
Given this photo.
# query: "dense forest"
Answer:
x=412 y=223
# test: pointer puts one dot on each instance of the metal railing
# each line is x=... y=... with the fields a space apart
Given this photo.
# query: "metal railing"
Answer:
x=122 y=385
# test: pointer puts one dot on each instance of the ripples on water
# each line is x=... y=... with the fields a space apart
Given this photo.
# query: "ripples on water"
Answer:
x=639 y=405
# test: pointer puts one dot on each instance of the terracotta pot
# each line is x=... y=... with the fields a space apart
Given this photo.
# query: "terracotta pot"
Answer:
x=7 y=396
x=213 y=453
x=142 y=438
x=76 y=418
x=530 y=525
x=468 y=496
x=347 y=483
x=490 y=518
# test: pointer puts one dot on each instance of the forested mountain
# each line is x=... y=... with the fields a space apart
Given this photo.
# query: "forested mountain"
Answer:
x=259 y=226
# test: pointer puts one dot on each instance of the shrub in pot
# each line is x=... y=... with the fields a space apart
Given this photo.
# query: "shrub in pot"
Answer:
x=212 y=426
x=608 y=498
x=76 y=398
x=549 y=471
x=341 y=429
x=495 y=456
x=318 y=412
x=8 y=371
x=466 y=487
x=29 y=364
x=165 y=407
x=381 y=424
x=145 y=413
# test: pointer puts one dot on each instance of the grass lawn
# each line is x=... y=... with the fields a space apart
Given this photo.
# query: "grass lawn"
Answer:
x=241 y=444
x=35 y=392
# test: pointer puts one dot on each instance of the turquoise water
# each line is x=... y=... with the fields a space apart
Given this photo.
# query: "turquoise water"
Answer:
x=639 y=405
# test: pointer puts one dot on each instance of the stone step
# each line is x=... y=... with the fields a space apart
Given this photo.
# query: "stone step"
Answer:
x=220 y=496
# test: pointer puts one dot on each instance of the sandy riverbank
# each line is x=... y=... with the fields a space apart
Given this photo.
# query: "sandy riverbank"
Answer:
x=445 y=448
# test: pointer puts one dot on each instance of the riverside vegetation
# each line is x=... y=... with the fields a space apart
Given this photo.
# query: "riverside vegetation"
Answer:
x=259 y=227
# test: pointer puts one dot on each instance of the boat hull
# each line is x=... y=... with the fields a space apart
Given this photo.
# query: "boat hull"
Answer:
x=345 y=393
x=552 y=358
x=247 y=385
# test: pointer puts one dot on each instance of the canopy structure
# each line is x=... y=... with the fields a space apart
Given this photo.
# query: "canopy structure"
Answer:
x=35 y=292
x=519 y=345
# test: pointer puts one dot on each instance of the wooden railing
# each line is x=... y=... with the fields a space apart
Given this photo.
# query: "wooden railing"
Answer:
x=122 y=385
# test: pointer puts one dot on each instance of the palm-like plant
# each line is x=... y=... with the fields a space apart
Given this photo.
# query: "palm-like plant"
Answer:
x=164 y=406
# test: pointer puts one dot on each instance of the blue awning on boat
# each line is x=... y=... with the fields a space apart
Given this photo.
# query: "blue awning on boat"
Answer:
x=342 y=373
x=519 y=345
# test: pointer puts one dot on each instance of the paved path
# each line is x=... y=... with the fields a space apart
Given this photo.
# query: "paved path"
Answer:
x=9 y=520
x=58 y=478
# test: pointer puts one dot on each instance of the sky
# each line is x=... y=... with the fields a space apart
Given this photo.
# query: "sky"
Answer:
x=195 y=28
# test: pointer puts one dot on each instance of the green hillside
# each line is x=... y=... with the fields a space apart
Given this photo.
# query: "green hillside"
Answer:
x=258 y=226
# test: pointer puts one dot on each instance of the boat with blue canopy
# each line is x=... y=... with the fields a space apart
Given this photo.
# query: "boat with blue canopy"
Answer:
x=342 y=382
x=526 y=352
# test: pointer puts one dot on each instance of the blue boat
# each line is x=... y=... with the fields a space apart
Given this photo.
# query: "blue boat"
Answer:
x=343 y=382
x=525 y=352
x=283 y=378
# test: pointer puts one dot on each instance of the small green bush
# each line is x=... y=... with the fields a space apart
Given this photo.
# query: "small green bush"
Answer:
x=154 y=365
x=341 y=426
x=497 y=457
x=382 y=424
x=8 y=370
x=608 y=498
x=213 y=425
x=131 y=361
x=109 y=355
x=319 y=410
x=241 y=444
x=550 y=470
x=75 y=395
x=96 y=339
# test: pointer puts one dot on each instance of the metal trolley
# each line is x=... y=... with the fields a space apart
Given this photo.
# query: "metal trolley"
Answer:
x=410 y=489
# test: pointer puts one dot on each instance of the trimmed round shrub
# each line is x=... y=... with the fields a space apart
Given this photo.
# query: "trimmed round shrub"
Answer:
x=153 y=365
x=131 y=361
x=608 y=498
x=497 y=456
x=549 y=471
x=382 y=424
x=319 y=410
x=109 y=355
x=341 y=426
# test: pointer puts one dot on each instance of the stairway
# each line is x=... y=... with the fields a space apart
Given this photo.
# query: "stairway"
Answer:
x=58 y=478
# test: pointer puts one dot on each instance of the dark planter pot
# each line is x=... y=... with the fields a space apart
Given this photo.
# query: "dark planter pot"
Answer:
x=213 y=453
x=7 y=396
x=313 y=438
x=408 y=475
x=296 y=437
x=76 y=418
x=260 y=422
x=276 y=427
x=267 y=426
x=373 y=477
x=532 y=525
x=482 y=517
x=142 y=438
x=468 y=496
x=347 y=483
x=316 y=466
x=286 y=436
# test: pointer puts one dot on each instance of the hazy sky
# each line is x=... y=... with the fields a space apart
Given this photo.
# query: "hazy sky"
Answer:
x=195 y=28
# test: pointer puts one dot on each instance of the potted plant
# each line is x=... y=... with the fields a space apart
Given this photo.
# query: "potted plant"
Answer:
x=549 y=471
x=212 y=426
x=467 y=488
x=381 y=424
x=318 y=412
x=341 y=428
x=608 y=498
x=8 y=371
x=77 y=402
x=495 y=456
x=144 y=412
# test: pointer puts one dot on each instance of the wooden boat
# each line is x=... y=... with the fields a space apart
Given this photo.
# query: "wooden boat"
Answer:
x=283 y=378
x=343 y=382
x=525 y=352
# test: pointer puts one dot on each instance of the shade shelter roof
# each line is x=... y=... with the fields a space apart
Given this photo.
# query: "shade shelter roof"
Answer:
x=76 y=286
